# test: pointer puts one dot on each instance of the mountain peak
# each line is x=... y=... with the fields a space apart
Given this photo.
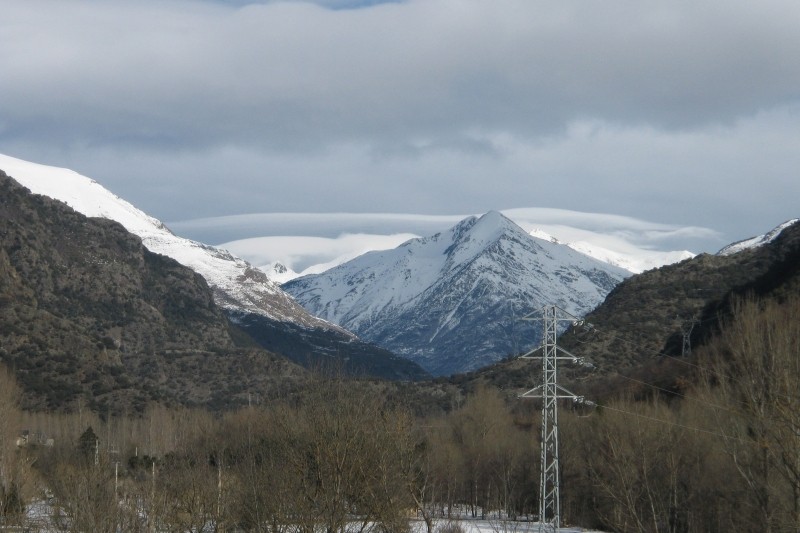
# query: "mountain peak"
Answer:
x=494 y=217
x=448 y=301
x=473 y=235
x=494 y=223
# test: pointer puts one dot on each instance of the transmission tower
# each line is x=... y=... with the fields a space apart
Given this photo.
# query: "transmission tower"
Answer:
x=687 y=327
x=550 y=392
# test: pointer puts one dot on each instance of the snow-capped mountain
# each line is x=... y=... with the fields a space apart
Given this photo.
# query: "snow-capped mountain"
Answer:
x=636 y=260
x=452 y=302
x=237 y=285
x=755 y=242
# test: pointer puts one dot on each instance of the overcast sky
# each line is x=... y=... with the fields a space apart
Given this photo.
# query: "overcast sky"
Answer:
x=679 y=112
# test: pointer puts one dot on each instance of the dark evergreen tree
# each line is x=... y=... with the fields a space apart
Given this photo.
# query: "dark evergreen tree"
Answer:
x=87 y=443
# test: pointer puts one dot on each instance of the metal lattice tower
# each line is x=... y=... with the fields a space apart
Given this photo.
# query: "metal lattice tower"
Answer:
x=686 y=329
x=550 y=392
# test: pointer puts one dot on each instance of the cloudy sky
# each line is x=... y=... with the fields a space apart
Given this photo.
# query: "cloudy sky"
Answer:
x=683 y=115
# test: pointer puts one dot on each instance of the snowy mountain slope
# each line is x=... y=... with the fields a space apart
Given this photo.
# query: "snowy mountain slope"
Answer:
x=635 y=264
x=631 y=258
x=755 y=242
x=451 y=302
x=237 y=285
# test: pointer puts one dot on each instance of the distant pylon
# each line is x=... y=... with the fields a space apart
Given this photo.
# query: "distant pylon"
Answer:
x=550 y=392
x=686 y=328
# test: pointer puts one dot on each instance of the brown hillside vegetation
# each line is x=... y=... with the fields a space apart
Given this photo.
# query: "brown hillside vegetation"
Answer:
x=722 y=457
x=88 y=314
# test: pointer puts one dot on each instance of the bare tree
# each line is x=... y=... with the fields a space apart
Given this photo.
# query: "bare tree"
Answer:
x=757 y=377
x=15 y=472
x=337 y=449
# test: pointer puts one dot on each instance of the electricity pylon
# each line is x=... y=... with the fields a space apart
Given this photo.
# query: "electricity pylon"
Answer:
x=550 y=392
x=686 y=328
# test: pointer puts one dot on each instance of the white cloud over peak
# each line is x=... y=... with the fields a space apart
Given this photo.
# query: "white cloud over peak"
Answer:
x=308 y=243
x=311 y=255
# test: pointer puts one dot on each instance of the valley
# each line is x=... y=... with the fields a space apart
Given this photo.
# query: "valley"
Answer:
x=199 y=387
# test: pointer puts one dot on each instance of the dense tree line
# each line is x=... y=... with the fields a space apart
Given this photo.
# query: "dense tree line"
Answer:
x=724 y=456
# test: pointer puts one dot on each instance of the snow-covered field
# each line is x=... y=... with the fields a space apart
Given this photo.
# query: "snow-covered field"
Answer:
x=40 y=513
x=494 y=526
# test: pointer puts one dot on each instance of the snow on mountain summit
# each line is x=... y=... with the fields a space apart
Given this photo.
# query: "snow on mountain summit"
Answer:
x=755 y=242
x=237 y=285
x=450 y=301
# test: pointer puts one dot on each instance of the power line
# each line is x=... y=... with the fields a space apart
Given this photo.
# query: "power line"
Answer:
x=550 y=391
x=616 y=337
x=717 y=373
x=704 y=403
x=676 y=424
x=678 y=394
x=707 y=404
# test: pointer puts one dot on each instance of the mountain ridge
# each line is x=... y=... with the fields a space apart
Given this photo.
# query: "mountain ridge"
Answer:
x=238 y=287
x=757 y=241
x=87 y=312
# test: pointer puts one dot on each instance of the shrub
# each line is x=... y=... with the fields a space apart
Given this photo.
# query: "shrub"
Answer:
x=450 y=527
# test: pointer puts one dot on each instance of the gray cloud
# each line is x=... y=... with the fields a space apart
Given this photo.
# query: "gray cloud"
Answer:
x=292 y=74
x=676 y=111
